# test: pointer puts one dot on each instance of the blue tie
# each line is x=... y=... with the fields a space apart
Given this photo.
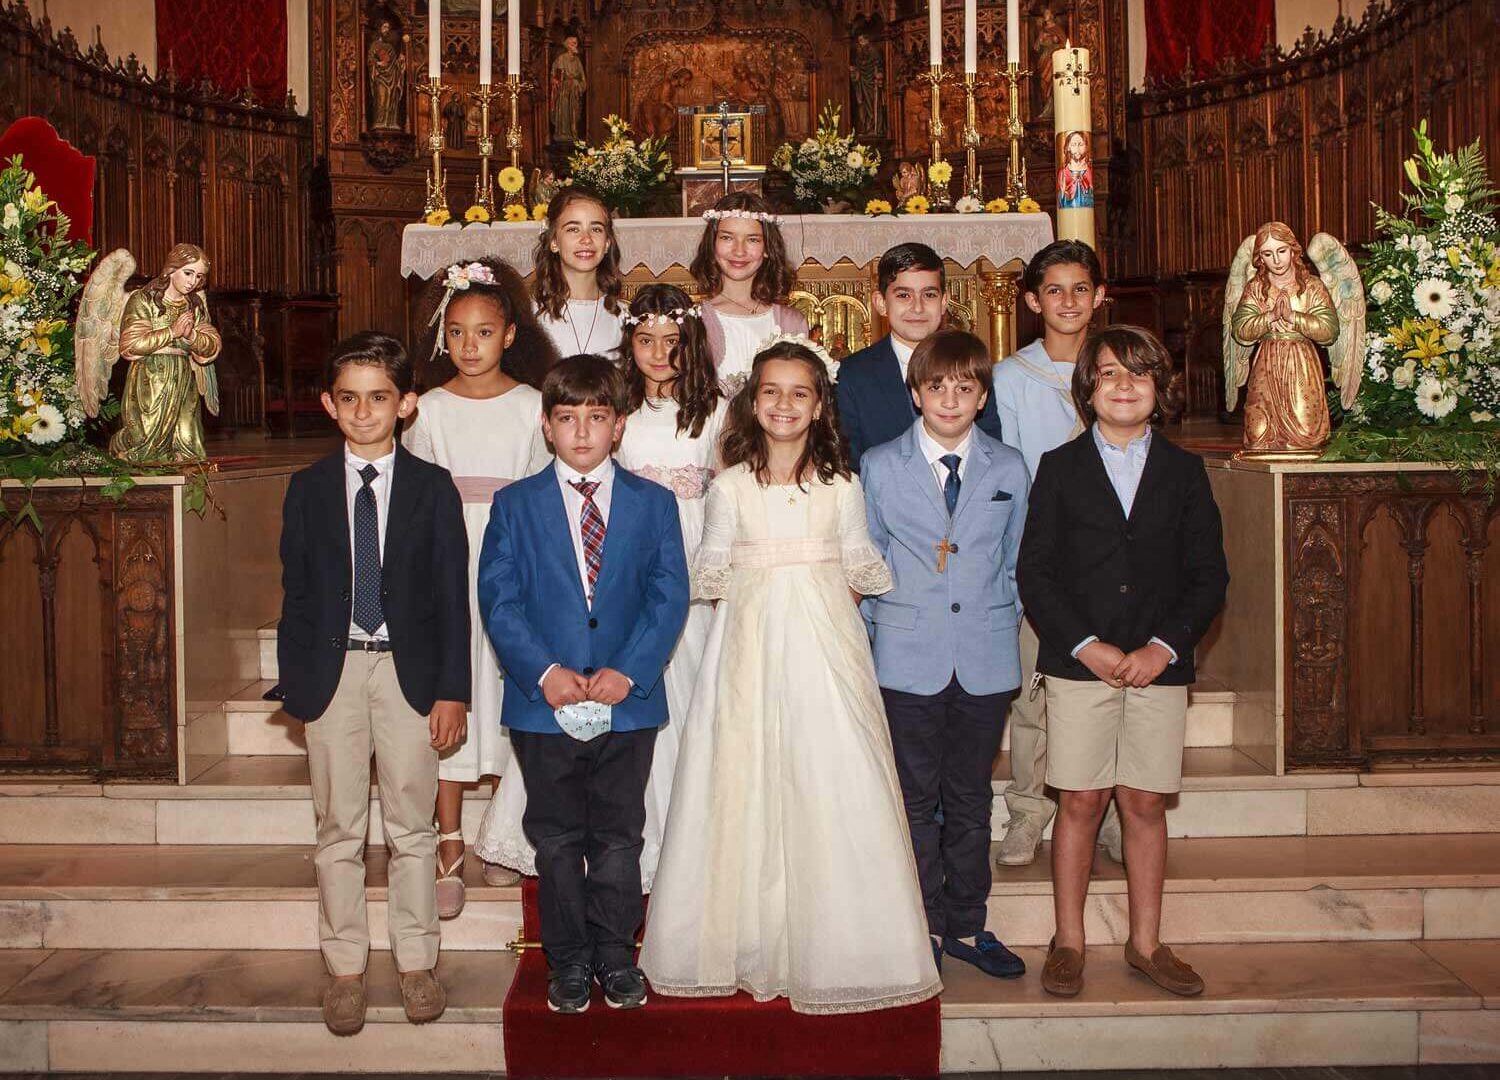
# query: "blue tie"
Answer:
x=950 y=485
x=368 y=614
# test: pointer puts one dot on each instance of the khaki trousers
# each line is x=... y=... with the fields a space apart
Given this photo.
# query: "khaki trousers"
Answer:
x=369 y=713
x=1024 y=795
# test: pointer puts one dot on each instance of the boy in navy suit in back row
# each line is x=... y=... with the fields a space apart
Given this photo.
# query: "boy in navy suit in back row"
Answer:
x=583 y=587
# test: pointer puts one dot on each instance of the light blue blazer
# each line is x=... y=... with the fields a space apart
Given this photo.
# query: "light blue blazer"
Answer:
x=532 y=602
x=967 y=619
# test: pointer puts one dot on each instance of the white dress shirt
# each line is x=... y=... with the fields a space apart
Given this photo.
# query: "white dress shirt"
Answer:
x=903 y=355
x=381 y=488
x=604 y=473
x=934 y=452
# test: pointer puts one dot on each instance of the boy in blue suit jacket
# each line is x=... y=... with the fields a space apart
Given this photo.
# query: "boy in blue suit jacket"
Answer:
x=583 y=586
x=875 y=404
x=946 y=504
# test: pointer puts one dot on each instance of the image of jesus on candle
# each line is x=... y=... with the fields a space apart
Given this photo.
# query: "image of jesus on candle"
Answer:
x=1075 y=180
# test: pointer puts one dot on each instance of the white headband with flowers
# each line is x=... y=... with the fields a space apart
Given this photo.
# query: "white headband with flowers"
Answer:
x=829 y=363
x=676 y=315
x=743 y=215
x=458 y=278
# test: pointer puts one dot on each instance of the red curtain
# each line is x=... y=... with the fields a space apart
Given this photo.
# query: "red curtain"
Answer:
x=223 y=41
x=1205 y=32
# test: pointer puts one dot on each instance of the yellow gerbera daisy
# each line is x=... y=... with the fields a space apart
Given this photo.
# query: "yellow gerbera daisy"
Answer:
x=917 y=204
x=1029 y=206
x=539 y=212
x=516 y=213
x=997 y=206
x=438 y=217
x=477 y=213
x=940 y=172
x=511 y=179
x=877 y=206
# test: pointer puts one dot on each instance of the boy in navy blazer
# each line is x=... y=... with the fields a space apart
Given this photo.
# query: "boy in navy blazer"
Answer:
x=584 y=588
x=875 y=404
x=373 y=645
x=946 y=504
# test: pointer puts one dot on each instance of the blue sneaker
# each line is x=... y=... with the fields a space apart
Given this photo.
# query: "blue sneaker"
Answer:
x=988 y=955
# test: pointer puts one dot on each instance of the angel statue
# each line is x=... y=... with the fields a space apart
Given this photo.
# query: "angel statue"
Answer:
x=163 y=330
x=1274 y=321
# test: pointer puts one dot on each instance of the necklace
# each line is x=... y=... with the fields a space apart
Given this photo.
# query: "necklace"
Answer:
x=752 y=309
x=573 y=326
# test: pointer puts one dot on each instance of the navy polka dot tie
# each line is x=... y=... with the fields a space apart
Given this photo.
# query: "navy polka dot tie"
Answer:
x=367 y=610
x=950 y=486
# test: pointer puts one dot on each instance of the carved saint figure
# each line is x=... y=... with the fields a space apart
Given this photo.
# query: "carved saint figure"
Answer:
x=385 y=71
x=907 y=182
x=569 y=81
x=163 y=329
x=1273 y=325
x=455 y=123
x=868 y=78
x=1046 y=40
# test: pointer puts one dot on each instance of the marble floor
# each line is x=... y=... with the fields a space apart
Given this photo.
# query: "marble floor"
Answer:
x=1396 y=1072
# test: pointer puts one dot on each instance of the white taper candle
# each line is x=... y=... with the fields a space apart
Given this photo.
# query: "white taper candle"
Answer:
x=513 y=37
x=486 y=41
x=434 y=40
x=1012 y=31
x=935 y=32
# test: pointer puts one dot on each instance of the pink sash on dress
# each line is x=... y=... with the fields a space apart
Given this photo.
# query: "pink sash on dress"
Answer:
x=479 y=489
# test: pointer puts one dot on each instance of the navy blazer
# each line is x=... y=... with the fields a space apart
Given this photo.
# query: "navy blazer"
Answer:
x=875 y=405
x=424 y=585
x=533 y=606
x=1085 y=568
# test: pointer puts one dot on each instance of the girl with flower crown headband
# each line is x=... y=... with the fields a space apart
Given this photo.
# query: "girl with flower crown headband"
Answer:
x=742 y=268
x=787 y=852
x=675 y=411
x=577 y=283
x=482 y=422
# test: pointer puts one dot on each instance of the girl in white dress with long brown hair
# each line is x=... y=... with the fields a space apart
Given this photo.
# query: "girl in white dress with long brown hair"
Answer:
x=577 y=281
x=787 y=869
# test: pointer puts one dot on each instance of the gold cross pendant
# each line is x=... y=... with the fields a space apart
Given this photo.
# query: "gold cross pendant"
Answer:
x=943 y=550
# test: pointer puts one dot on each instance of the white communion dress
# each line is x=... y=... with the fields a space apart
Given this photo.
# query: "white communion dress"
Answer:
x=787 y=868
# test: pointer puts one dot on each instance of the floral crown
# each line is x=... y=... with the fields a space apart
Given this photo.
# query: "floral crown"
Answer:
x=744 y=215
x=829 y=363
x=651 y=318
x=458 y=278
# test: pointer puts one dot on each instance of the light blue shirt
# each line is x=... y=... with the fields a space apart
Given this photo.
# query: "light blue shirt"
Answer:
x=1034 y=400
x=1124 y=466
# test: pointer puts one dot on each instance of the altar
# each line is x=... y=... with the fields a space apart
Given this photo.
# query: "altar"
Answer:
x=836 y=255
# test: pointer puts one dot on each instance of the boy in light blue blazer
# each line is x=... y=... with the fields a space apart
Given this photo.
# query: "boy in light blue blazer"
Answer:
x=583 y=587
x=946 y=504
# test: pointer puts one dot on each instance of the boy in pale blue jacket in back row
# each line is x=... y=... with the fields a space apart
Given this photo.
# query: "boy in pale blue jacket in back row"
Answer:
x=946 y=504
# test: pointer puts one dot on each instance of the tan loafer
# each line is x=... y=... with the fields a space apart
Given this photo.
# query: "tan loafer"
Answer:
x=1062 y=974
x=500 y=877
x=1165 y=970
x=344 y=1005
x=423 y=996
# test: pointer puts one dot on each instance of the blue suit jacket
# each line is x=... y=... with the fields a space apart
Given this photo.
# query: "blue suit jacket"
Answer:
x=534 y=610
x=875 y=405
x=967 y=619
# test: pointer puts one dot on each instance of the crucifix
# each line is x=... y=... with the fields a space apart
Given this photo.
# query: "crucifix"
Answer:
x=943 y=550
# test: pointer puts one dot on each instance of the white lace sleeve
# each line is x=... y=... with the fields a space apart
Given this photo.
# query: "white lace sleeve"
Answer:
x=711 y=563
x=864 y=569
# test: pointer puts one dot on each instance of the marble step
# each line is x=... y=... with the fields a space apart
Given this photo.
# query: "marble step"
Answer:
x=1217 y=890
x=1267 y=1005
x=1225 y=793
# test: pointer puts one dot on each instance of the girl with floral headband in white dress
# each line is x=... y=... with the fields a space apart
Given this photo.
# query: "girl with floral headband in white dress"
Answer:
x=787 y=869
x=742 y=268
x=671 y=437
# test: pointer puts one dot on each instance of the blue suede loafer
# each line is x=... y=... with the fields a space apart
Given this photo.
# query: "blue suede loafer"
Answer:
x=988 y=955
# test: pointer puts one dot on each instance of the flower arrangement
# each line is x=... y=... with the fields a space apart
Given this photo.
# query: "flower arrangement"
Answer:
x=624 y=171
x=39 y=275
x=828 y=167
x=1431 y=389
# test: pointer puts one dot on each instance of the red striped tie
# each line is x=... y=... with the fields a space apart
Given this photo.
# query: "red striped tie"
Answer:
x=591 y=527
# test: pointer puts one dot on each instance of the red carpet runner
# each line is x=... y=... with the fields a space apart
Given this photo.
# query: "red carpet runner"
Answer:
x=682 y=1037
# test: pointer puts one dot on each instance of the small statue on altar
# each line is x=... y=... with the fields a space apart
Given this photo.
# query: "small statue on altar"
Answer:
x=868 y=78
x=1275 y=320
x=163 y=329
x=569 y=81
x=907 y=181
x=385 y=72
x=544 y=185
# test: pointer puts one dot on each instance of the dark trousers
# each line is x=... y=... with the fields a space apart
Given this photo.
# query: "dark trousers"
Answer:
x=945 y=746
x=585 y=810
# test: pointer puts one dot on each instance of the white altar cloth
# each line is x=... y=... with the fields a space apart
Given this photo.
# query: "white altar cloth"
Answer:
x=658 y=244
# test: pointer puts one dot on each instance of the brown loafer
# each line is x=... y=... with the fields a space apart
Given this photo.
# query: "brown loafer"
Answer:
x=1165 y=970
x=423 y=996
x=344 y=1005
x=1062 y=974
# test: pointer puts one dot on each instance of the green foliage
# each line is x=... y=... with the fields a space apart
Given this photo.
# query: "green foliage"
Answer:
x=625 y=171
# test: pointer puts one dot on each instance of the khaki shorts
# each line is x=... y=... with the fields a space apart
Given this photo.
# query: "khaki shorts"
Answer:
x=1099 y=737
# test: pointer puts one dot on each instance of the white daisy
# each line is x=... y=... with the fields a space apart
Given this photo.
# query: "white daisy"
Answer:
x=968 y=205
x=47 y=427
x=855 y=160
x=1435 y=400
x=1434 y=298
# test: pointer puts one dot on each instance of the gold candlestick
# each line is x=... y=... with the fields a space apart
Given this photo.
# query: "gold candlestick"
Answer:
x=973 y=180
x=437 y=181
x=1015 y=176
x=484 y=186
x=513 y=133
x=937 y=193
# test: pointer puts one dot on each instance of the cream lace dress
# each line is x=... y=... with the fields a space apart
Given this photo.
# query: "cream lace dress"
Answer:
x=787 y=869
